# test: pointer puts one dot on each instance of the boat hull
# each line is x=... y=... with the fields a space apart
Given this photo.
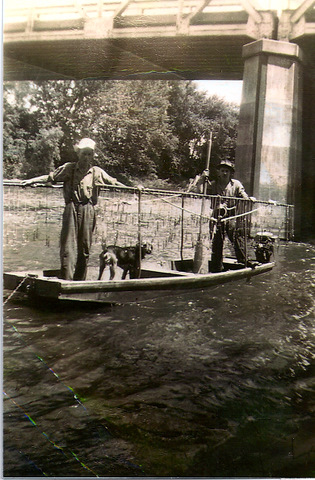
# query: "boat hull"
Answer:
x=152 y=284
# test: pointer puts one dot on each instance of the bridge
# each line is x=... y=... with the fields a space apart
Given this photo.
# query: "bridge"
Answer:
x=186 y=39
x=270 y=49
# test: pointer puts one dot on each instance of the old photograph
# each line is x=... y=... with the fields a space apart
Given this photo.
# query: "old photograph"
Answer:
x=158 y=239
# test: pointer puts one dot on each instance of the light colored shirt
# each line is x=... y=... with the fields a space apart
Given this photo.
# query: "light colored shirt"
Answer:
x=233 y=189
x=81 y=187
x=227 y=206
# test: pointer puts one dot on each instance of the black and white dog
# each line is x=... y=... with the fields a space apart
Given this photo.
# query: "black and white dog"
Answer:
x=127 y=258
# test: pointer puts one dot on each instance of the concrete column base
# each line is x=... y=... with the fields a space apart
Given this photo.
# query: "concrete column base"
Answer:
x=269 y=144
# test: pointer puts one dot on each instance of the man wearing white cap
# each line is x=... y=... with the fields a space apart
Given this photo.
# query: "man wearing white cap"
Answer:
x=81 y=183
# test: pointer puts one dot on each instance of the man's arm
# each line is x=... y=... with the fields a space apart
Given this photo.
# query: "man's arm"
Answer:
x=32 y=181
x=242 y=192
x=103 y=178
x=197 y=184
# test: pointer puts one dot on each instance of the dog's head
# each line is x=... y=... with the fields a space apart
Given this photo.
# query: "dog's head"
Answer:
x=108 y=258
x=146 y=248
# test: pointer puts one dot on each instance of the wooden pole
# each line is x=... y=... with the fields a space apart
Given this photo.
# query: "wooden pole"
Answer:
x=139 y=230
x=246 y=203
x=198 y=257
x=182 y=230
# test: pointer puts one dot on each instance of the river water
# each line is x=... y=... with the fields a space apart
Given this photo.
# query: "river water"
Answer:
x=216 y=384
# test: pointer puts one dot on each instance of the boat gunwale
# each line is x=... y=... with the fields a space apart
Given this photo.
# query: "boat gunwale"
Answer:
x=176 y=280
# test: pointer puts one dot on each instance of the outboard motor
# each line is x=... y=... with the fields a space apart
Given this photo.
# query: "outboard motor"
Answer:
x=264 y=246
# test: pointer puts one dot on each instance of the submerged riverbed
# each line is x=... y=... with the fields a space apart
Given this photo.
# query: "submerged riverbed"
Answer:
x=220 y=383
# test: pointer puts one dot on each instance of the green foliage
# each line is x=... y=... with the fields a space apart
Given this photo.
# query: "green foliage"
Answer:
x=144 y=129
x=133 y=129
x=18 y=126
x=42 y=153
x=13 y=156
x=194 y=116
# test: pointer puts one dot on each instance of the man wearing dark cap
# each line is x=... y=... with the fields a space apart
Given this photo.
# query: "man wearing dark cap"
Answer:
x=224 y=186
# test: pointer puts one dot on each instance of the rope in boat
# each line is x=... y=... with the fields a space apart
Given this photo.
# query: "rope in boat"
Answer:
x=185 y=209
x=239 y=215
x=75 y=395
x=163 y=199
x=15 y=290
x=58 y=447
x=31 y=462
x=133 y=202
x=211 y=218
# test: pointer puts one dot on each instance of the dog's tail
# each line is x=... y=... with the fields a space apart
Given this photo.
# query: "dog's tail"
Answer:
x=104 y=241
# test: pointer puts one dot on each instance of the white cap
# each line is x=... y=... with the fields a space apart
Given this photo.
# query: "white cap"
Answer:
x=85 y=143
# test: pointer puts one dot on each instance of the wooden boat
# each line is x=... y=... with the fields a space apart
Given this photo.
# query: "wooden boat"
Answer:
x=154 y=282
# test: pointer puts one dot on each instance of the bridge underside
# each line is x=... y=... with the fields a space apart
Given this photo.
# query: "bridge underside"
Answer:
x=161 y=58
x=187 y=39
x=195 y=45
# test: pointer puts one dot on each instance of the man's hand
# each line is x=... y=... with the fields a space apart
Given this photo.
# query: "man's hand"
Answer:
x=119 y=184
x=253 y=199
x=26 y=183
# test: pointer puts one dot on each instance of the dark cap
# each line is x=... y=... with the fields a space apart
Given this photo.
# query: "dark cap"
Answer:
x=226 y=163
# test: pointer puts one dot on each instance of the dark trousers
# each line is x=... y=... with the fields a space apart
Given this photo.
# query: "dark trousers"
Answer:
x=236 y=235
x=78 y=224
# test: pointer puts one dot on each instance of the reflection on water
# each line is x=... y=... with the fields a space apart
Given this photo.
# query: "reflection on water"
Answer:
x=217 y=384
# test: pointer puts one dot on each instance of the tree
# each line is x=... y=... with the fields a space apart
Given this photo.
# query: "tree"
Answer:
x=141 y=128
x=133 y=129
x=42 y=153
x=193 y=116
x=19 y=124
x=72 y=106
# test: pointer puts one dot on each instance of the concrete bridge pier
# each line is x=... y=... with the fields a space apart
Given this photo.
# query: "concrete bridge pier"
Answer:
x=269 y=144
